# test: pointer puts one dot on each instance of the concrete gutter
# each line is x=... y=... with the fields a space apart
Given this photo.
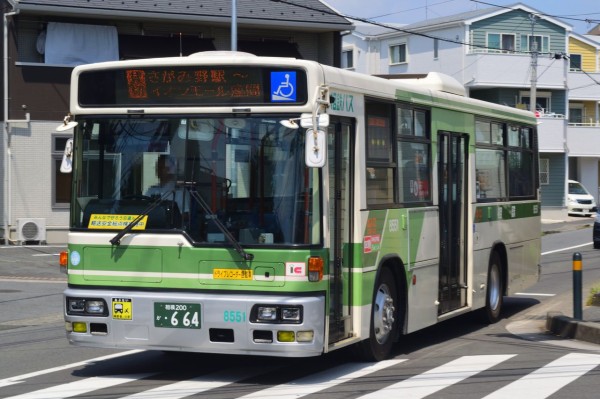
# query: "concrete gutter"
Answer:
x=568 y=327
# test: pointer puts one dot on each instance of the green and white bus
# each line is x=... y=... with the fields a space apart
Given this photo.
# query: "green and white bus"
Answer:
x=303 y=209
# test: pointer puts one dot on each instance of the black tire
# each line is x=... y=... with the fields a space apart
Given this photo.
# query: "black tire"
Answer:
x=494 y=297
x=384 y=319
x=596 y=245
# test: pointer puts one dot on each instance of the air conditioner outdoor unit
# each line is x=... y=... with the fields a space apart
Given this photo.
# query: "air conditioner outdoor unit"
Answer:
x=31 y=230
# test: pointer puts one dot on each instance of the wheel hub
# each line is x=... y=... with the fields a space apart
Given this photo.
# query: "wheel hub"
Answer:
x=383 y=319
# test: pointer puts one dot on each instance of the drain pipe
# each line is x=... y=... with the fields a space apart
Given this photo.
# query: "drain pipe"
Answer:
x=5 y=133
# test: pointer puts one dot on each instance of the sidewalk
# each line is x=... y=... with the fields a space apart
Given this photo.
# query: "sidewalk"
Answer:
x=560 y=322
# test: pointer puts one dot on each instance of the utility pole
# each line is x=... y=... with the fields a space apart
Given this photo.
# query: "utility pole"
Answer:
x=534 y=61
x=233 y=25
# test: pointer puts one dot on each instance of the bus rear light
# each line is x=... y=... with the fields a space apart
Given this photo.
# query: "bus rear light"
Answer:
x=315 y=268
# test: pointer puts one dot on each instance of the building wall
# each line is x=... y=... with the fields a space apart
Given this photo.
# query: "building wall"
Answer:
x=553 y=193
x=421 y=58
x=363 y=57
x=32 y=177
x=510 y=96
x=588 y=175
x=519 y=22
x=42 y=91
x=589 y=57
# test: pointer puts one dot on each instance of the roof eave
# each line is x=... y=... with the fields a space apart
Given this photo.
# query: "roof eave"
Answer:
x=148 y=15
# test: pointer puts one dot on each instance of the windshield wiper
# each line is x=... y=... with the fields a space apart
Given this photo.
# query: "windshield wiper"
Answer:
x=116 y=240
x=190 y=186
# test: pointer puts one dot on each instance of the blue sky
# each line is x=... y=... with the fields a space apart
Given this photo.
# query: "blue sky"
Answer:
x=572 y=12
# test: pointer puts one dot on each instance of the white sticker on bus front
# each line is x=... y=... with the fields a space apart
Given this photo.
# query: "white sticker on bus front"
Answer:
x=295 y=269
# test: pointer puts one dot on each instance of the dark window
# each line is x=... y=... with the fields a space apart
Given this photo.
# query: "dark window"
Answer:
x=61 y=187
x=380 y=161
x=505 y=161
x=137 y=46
x=575 y=62
x=414 y=175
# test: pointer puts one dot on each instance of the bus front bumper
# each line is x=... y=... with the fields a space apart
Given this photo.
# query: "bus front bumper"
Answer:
x=251 y=324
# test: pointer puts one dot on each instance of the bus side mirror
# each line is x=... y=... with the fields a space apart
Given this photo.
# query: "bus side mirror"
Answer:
x=316 y=148
x=66 y=165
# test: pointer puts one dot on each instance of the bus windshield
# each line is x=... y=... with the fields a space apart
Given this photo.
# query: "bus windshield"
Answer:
x=248 y=172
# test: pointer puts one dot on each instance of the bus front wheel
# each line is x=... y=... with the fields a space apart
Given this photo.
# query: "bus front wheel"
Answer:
x=384 y=319
x=495 y=290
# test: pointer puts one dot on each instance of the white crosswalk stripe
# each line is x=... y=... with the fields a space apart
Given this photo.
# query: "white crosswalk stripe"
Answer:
x=539 y=384
x=438 y=378
x=545 y=381
x=81 y=387
x=323 y=380
x=200 y=384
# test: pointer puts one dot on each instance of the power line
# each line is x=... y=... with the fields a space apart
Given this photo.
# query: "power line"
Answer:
x=398 y=29
x=412 y=9
x=395 y=28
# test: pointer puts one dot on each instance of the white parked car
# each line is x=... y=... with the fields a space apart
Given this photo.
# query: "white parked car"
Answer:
x=579 y=200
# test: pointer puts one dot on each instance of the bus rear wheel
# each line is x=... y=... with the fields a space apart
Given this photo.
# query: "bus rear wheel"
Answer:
x=384 y=319
x=495 y=290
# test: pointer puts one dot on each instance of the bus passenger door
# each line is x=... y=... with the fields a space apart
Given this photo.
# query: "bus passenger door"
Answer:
x=453 y=199
x=340 y=148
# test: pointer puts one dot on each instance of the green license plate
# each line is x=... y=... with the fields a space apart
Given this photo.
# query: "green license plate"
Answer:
x=176 y=315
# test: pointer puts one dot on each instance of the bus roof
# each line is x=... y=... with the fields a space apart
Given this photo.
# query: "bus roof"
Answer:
x=435 y=89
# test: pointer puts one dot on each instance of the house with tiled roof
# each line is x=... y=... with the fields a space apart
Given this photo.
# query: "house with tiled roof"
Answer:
x=44 y=39
x=499 y=54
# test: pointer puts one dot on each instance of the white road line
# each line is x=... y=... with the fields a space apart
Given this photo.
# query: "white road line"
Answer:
x=200 y=384
x=323 y=380
x=566 y=249
x=23 y=377
x=533 y=294
x=438 y=378
x=545 y=381
x=81 y=387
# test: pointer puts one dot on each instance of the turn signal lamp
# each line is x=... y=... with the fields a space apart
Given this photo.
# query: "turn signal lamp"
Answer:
x=63 y=261
x=286 y=336
x=315 y=268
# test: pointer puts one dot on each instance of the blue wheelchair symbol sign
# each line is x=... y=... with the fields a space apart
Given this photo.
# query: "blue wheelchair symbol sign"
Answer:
x=283 y=86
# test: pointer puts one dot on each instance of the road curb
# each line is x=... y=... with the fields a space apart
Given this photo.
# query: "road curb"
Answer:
x=568 y=327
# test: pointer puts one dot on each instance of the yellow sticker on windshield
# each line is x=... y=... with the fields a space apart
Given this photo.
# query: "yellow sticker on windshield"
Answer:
x=112 y=222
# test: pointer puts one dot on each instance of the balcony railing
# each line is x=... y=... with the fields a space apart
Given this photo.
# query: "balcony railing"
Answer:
x=490 y=70
x=583 y=140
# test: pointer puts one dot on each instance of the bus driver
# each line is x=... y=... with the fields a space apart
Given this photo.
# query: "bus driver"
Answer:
x=166 y=172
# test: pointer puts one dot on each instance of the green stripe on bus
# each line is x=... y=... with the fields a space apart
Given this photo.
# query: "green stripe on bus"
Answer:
x=492 y=213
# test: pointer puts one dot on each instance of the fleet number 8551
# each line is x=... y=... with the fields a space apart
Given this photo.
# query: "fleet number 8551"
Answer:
x=234 y=316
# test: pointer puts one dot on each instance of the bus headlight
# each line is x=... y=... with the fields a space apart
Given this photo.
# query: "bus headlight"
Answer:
x=276 y=314
x=291 y=314
x=86 y=307
x=95 y=306
x=266 y=313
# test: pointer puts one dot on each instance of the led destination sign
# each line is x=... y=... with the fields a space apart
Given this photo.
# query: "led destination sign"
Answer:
x=192 y=85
